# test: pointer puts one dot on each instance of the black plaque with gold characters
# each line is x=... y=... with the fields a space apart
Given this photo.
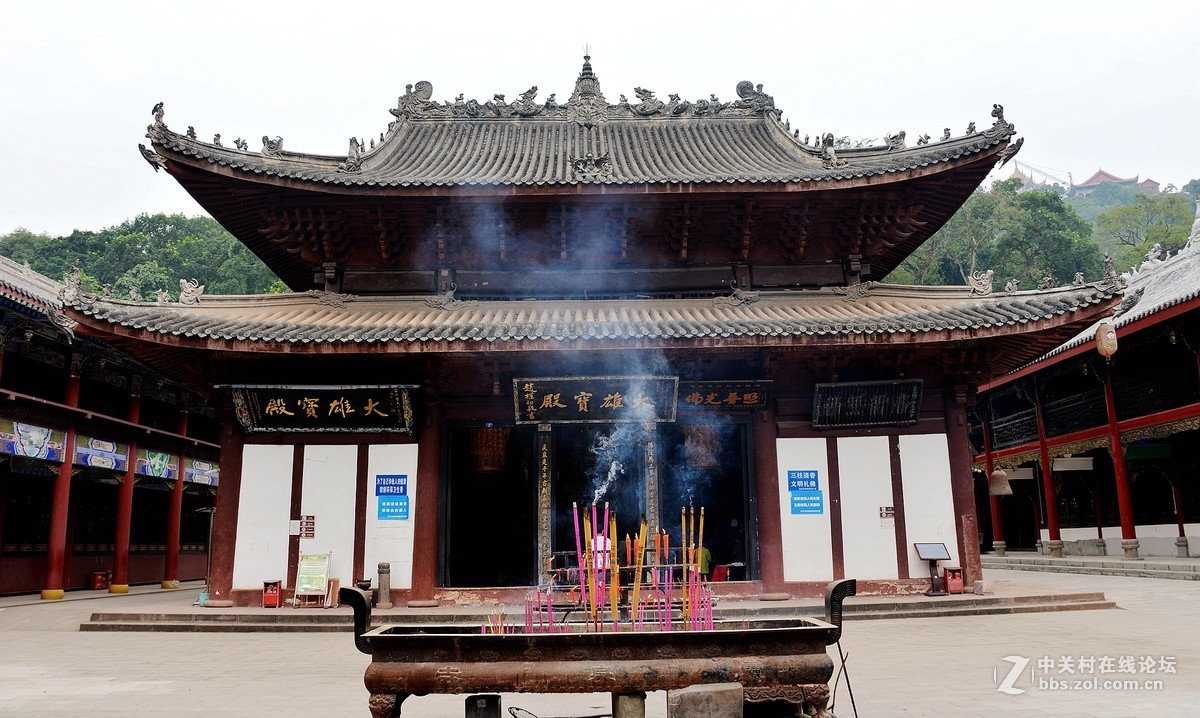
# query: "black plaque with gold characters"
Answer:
x=595 y=399
x=361 y=408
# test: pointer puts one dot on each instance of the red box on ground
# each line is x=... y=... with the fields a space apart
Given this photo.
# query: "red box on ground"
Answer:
x=954 y=579
x=271 y=594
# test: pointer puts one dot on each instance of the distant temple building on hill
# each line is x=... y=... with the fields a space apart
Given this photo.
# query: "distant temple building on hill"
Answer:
x=1101 y=177
x=1029 y=181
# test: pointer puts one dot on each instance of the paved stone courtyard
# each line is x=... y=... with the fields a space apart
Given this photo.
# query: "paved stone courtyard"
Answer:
x=912 y=667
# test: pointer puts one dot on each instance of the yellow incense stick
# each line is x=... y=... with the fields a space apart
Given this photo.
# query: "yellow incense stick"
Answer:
x=614 y=571
x=591 y=565
x=637 y=572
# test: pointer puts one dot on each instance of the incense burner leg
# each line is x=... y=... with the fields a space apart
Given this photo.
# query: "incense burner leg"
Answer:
x=810 y=699
x=816 y=700
x=386 y=705
x=628 y=705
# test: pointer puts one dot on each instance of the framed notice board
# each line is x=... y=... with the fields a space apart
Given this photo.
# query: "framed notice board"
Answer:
x=312 y=577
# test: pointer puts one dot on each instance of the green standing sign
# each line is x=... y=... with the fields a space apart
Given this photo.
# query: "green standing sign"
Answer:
x=312 y=577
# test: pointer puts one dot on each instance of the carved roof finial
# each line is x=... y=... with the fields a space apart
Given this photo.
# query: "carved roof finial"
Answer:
x=587 y=105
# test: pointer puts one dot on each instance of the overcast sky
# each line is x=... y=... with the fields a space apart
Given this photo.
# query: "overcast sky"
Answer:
x=1088 y=84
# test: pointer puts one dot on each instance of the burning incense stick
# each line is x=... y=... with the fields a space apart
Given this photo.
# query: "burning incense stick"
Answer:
x=637 y=572
x=615 y=574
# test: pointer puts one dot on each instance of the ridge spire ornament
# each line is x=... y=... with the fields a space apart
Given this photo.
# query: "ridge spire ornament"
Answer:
x=587 y=106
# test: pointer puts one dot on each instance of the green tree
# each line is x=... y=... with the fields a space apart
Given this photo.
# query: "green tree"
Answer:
x=1039 y=235
x=1019 y=235
x=179 y=247
x=1102 y=199
x=1129 y=231
x=1192 y=189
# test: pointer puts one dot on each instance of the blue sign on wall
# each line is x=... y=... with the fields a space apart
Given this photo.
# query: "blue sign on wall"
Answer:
x=393 y=508
x=808 y=502
x=391 y=485
x=803 y=480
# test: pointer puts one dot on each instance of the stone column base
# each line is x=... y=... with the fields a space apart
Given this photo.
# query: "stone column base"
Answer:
x=998 y=547
x=628 y=705
x=1181 y=547
x=1130 y=546
x=1102 y=547
x=1056 y=548
x=118 y=588
x=52 y=594
x=173 y=583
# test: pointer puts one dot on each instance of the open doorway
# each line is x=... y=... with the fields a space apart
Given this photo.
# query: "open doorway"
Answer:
x=490 y=511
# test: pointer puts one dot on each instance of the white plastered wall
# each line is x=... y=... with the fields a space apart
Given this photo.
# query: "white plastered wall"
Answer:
x=807 y=543
x=865 y=483
x=264 y=504
x=328 y=496
x=928 y=498
x=391 y=540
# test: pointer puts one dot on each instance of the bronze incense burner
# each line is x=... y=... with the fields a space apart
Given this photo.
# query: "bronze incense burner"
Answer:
x=773 y=659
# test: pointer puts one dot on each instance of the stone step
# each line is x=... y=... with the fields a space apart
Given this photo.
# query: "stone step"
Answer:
x=1139 y=569
x=284 y=621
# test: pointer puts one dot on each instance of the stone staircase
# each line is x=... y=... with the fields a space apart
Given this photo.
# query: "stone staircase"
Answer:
x=311 y=620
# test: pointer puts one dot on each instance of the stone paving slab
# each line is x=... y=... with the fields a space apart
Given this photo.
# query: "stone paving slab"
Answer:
x=948 y=666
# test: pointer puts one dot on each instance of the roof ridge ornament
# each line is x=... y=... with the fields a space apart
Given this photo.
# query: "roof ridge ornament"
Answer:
x=1011 y=151
x=354 y=155
x=855 y=292
x=190 y=291
x=592 y=167
x=740 y=297
x=981 y=283
x=448 y=302
x=829 y=158
x=587 y=106
x=156 y=160
x=1129 y=301
x=272 y=147
x=331 y=299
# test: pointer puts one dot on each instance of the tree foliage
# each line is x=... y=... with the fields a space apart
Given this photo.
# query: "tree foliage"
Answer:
x=1192 y=189
x=1128 y=231
x=1022 y=236
x=148 y=253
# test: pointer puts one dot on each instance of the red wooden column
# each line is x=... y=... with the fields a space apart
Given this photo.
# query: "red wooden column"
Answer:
x=425 y=528
x=174 y=510
x=998 y=545
x=766 y=480
x=1129 y=542
x=225 y=516
x=120 y=577
x=962 y=482
x=60 y=504
x=1055 y=544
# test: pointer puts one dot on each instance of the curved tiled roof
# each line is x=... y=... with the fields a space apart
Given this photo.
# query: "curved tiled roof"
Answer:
x=585 y=141
x=839 y=315
x=28 y=288
x=1162 y=283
